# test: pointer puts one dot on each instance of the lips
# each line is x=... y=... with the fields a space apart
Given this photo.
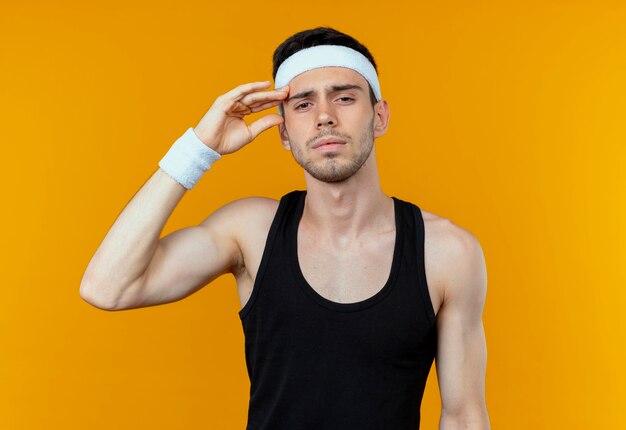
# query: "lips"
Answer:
x=328 y=141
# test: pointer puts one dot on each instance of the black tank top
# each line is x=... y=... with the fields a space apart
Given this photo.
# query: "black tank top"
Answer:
x=318 y=364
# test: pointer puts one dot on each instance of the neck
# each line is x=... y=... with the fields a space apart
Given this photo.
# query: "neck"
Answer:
x=345 y=210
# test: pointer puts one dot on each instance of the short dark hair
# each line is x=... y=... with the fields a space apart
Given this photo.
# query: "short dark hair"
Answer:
x=320 y=36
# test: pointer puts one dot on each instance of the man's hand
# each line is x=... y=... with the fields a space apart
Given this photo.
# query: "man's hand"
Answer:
x=223 y=129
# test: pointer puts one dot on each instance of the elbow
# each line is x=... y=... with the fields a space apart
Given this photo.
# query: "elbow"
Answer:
x=94 y=296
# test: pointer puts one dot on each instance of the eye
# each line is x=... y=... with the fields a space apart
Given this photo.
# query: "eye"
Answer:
x=301 y=105
x=345 y=98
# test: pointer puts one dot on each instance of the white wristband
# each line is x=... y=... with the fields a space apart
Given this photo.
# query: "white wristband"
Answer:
x=188 y=159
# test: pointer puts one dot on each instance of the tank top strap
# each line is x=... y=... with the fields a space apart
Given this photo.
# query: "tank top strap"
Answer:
x=279 y=227
x=419 y=241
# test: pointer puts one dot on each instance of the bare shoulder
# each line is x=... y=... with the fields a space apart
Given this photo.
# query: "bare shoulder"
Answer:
x=245 y=222
x=454 y=258
x=247 y=207
x=448 y=235
x=242 y=216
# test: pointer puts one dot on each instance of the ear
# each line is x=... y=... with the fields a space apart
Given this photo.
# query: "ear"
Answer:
x=381 y=121
x=284 y=136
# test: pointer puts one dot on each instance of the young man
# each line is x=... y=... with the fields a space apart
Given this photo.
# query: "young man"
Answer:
x=347 y=294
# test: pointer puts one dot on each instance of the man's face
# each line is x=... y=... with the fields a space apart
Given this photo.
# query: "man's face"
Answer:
x=330 y=125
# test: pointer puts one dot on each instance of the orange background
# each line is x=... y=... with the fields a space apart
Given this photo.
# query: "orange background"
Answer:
x=506 y=117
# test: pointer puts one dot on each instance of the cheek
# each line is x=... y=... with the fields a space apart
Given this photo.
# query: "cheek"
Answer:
x=295 y=126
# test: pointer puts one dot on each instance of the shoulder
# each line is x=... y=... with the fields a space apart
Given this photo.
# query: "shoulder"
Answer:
x=457 y=259
x=243 y=214
x=249 y=205
x=244 y=224
x=451 y=238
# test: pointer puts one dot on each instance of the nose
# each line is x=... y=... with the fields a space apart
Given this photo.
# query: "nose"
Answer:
x=326 y=116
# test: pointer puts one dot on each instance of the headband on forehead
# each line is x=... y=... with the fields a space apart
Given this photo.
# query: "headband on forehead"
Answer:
x=326 y=56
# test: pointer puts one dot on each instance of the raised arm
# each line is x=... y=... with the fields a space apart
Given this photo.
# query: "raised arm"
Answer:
x=462 y=351
x=132 y=267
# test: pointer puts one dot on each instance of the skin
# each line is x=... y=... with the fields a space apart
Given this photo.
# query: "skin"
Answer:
x=347 y=218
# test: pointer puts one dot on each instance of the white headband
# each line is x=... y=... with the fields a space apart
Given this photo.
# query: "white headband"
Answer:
x=326 y=56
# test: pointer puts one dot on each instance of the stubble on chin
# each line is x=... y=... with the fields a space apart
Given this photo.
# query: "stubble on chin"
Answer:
x=331 y=170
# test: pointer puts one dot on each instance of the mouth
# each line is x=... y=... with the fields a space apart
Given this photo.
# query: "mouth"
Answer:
x=329 y=142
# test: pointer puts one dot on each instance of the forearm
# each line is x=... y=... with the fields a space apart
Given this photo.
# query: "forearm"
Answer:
x=127 y=249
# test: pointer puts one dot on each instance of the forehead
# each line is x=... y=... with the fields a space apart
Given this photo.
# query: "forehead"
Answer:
x=324 y=77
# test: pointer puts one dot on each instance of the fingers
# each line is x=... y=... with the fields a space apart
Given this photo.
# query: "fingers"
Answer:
x=248 y=98
x=265 y=105
x=263 y=96
x=240 y=91
x=244 y=89
x=262 y=124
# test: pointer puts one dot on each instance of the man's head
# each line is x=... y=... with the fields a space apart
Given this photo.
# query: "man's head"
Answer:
x=318 y=37
x=334 y=94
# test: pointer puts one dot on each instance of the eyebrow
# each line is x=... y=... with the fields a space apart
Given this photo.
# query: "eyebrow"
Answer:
x=332 y=89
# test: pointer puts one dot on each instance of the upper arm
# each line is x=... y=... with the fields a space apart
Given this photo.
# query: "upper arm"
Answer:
x=462 y=351
x=188 y=259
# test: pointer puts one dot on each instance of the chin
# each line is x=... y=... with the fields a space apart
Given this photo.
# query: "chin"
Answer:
x=331 y=175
